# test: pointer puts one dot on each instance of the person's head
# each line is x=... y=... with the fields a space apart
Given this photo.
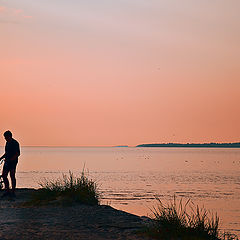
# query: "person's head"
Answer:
x=8 y=136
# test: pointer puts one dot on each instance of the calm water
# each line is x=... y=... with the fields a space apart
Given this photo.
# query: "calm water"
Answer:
x=130 y=177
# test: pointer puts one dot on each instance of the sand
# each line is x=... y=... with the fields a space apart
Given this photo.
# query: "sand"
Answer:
x=72 y=222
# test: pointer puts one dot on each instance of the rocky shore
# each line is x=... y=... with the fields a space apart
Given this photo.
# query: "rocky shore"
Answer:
x=71 y=222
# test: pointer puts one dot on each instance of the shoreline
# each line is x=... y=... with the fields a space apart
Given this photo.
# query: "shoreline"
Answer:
x=189 y=145
x=70 y=222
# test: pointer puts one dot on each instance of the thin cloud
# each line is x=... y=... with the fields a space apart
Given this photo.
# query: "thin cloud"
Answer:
x=11 y=14
x=2 y=9
x=17 y=11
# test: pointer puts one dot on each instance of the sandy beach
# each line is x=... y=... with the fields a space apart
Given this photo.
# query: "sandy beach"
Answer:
x=72 y=222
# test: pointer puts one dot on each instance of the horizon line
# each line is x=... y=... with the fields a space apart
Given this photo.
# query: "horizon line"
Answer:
x=123 y=145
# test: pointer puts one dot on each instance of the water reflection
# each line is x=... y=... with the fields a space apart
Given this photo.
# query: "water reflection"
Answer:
x=129 y=178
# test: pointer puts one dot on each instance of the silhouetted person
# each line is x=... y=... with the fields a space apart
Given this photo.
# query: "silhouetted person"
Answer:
x=12 y=152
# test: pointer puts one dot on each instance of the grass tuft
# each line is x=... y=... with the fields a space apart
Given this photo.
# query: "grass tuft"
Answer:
x=66 y=191
x=178 y=220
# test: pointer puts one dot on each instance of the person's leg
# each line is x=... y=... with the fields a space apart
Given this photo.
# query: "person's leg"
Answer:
x=4 y=176
x=13 y=179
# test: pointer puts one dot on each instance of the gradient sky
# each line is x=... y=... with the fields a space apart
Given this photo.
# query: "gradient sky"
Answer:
x=104 y=72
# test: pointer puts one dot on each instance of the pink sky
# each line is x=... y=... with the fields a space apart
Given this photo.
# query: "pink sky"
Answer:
x=105 y=73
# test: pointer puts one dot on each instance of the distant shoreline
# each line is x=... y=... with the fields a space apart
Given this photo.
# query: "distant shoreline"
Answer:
x=192 y=145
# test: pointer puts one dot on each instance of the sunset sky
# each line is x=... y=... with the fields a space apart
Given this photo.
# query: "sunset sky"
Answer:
x=113 y=72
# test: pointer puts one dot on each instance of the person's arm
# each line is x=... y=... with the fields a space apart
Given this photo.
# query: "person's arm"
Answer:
x=3 y=156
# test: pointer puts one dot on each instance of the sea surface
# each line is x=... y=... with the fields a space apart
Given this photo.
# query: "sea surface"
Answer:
x=131 y=178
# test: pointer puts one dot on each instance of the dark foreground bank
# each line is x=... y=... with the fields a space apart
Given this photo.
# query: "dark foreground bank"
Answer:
x=70 y=222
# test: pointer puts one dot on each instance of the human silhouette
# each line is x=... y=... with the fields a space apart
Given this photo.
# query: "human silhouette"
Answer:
x=12 y=152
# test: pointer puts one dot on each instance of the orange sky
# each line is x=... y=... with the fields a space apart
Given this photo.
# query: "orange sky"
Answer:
x=87 y=73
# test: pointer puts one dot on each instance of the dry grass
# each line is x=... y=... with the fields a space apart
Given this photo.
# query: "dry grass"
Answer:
x=178 y=220
x=67 y=190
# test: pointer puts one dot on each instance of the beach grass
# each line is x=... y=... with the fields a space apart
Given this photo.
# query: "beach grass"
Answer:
x=67 y=190
x=185 y=221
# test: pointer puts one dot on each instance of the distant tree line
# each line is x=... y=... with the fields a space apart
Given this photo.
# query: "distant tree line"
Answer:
x=193 y=145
